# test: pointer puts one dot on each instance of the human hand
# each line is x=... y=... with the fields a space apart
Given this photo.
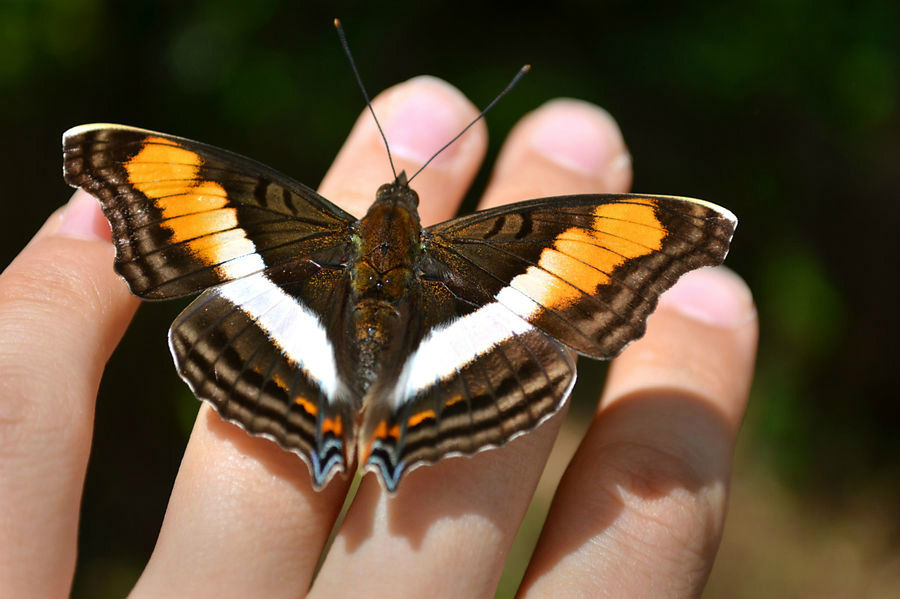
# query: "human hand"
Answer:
x=638 y=513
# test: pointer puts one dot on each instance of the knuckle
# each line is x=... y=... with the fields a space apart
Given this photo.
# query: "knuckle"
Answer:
x=665 y=499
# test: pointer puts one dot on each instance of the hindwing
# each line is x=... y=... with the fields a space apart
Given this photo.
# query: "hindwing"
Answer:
x=474 y=382
x=257 y=352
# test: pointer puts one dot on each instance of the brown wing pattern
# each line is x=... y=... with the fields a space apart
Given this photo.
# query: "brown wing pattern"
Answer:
x=186 y=216
x=472 y=385
x=586 y=270
x=255 y=351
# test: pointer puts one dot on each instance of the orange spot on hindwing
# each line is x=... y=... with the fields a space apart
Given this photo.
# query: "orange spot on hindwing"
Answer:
x=382 y=431
x=420 y=417
x=332 y=425
x=308 y=406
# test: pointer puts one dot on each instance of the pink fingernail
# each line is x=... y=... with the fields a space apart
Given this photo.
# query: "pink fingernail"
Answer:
x=83 y=219
x=715 y=296
x=424 y=120
x=578 y=136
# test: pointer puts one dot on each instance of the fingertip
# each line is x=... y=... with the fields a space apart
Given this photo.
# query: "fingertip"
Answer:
x=82 y=218
x=52 y=225
x=565 y=146
x=419 y=117
x=424 y=114
x=579 y=136
x=701 y=341
x=654 y=465
x=62 y=285
x=715 y=296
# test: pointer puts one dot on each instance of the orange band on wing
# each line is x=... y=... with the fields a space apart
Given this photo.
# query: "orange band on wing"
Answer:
x=307 y=405
x=192 y=208
x=161 y=160
x=582 y=259
x=417 y=419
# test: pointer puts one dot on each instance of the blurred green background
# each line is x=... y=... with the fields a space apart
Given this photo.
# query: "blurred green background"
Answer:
x=785 y=111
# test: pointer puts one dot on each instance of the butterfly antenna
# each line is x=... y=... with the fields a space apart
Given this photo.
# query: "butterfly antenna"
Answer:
x=343 y=38
x=505 y=91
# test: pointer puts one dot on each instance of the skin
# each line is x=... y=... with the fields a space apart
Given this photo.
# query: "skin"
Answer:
x=639 y=512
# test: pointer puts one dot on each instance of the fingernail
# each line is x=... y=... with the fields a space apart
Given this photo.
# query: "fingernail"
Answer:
x=580 y=137
x=429 y=115
x=83 y=219
x=714 y=296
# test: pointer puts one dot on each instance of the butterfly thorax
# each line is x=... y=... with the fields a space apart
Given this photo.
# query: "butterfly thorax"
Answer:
x=383 y=290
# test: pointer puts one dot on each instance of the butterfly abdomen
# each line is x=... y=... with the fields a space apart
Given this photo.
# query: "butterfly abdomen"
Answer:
x=383 y=289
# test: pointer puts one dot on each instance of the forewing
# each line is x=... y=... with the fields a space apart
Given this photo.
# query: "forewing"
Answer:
x=263 y=358
x=587 y=270
x=186 y=216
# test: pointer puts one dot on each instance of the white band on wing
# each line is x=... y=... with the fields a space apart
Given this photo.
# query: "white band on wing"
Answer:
x=290 y=325
x=451 y=346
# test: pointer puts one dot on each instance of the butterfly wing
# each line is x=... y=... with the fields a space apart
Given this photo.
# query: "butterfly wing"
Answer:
x=587 y=270
x=263 y=358
x=187 y=217
x=473 y=383
x=510 y=289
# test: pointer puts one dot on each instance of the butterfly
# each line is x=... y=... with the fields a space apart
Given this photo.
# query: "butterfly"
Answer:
x=378 y=341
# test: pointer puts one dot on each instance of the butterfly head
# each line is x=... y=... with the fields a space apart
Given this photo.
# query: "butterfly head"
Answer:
x=397 y=191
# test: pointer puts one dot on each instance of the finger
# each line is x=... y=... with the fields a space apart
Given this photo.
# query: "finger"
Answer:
x=447 y=531
x=243 y=518
x=419 y=117
x=640 y=509
x=568 y=147
x=55 y=221
x=62 y=311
